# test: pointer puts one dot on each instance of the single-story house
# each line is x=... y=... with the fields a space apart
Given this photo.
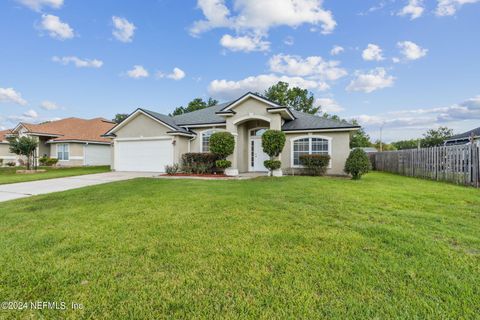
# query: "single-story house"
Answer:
x=464 y=138
x=148 y=141
x=73 y=141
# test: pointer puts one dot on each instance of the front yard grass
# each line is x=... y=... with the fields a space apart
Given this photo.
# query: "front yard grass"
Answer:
x=9 y=175
x=384 y=247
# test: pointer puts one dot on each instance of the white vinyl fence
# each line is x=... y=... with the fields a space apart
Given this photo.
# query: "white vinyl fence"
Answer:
x=458 y=164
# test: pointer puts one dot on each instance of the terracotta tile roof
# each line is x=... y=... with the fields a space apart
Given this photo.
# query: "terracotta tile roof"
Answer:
x=3 y=134
x=73 y=129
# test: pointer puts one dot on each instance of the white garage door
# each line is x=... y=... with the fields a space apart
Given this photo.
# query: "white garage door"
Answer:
x=143 y=155
x=98 y=155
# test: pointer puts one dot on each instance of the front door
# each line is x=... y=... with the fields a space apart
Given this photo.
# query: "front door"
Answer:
x=257 y=156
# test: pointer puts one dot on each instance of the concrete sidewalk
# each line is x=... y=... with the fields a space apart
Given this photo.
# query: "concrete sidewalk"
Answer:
x=26 y=189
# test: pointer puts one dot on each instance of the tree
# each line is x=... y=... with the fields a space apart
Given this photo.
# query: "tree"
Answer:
x=222 y=144
x=119 y=117
x=433 y=138
x=384 y=146
x=295 y=98
x=357 y=164
x=359 y=138
x=273 y=142
x=23 y=146
x=406 y=144
x=194 y=105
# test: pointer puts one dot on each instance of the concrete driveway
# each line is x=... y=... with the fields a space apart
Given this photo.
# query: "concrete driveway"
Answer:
x=27 y=189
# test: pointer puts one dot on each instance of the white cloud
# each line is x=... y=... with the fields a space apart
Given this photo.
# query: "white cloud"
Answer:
x=414 y=9
x=371 y=81
x=138 y=72
x=411 y=51
x=225 y=89
x=372 y=52
x=123 y=29
x=37 y=5
x=31 y=114
x=424 y=118
x=177 y=74
x=329 y=105
x=55 y=27
x=79 y=63
x=49 y=105
x=450 y=7
x=259 y=16
x=336 y=50
x=289 y=41
x=244 y=43
x=10 y=95
x=314 y=66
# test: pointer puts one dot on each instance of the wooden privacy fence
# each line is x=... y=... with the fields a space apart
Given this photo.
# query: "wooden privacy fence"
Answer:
x=457 y=164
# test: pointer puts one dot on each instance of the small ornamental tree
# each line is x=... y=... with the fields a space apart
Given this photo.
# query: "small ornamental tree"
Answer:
x=222 y=144
x=273 y=142
x=357 y=164
x=23 y=146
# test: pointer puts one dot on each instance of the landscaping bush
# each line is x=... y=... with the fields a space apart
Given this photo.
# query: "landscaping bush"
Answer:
x=223 y=164
x=272 y=164
x=222 y=144
x=315 y=164
x=172 y=169
x=201 y=162
x=11 y=164
x=357 y=164
x=49 y=162
x=273 y=142
x=1 y=162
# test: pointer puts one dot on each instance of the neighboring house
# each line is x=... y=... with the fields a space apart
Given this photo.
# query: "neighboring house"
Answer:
x=73 y=141
x=368 y=149
x=5 y=154
x=465 y=137
x=147 y=141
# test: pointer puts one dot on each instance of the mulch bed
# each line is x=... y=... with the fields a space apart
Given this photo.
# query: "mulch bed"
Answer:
x=196 y=175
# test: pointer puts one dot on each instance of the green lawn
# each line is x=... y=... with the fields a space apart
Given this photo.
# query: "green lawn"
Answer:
x=385 y=247
x=9 y=175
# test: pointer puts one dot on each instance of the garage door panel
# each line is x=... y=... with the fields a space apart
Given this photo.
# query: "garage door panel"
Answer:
x=144 y=155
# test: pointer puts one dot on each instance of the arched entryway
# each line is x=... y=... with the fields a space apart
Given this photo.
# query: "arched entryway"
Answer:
x=250 y=151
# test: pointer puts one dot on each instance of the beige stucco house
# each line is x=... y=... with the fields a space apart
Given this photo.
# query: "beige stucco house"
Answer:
x=73 y=141
x=148 y=141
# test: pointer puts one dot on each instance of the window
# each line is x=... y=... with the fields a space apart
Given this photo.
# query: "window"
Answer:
x=309 y=145
x=205 y=147
x=63 y=151
x=258 y=132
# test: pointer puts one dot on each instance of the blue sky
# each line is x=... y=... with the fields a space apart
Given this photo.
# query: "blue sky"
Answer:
x=404 y=65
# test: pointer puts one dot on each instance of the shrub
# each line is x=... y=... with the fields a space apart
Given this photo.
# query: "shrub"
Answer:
x=223 y=164
x=46 y=161
x=172 y=169
x=11 y=164
x=202 y=162
x=1 y=162
x=273 y=142
x=222 y=144
x=315 y=164
x=357 y=163
x=272 y=164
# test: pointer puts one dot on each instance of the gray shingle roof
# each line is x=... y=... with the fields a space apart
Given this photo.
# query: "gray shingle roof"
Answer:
x=208 y=115
x=465 y=135
x=203 y=116
x=306 y=121
x=166 y=119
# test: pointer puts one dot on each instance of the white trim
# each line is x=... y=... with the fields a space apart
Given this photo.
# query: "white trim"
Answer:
x=319 y=130
x=252 y=117
x=181 y=134
x=78 y=141
x=75 y=158
x=282 y=109
x=8 y=157
x=292 y=140
x=247 y=96
x=144 y=138
x=132 y=116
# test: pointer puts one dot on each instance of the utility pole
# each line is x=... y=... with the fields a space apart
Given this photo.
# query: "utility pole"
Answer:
x=381 y=129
